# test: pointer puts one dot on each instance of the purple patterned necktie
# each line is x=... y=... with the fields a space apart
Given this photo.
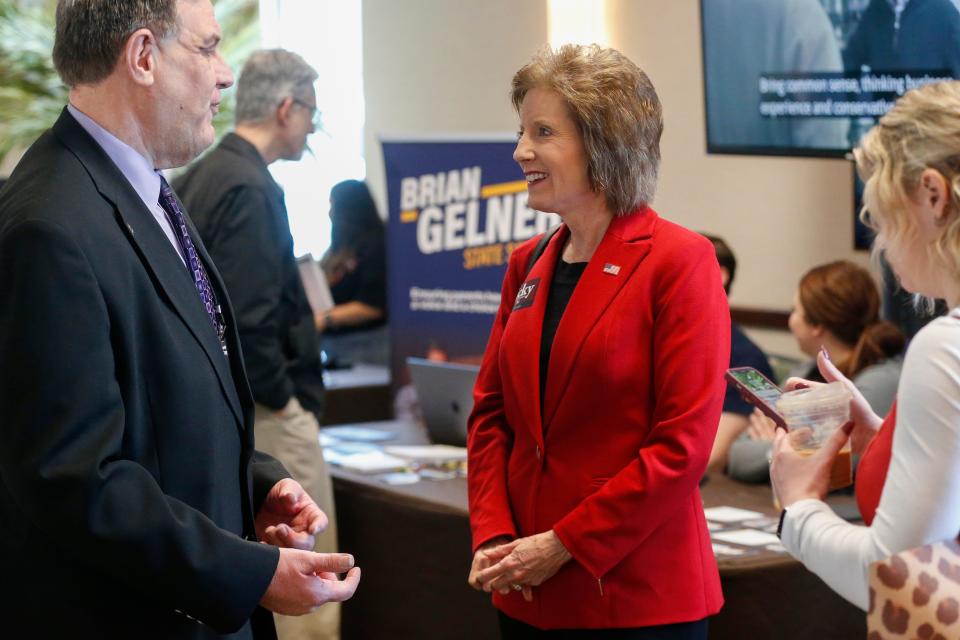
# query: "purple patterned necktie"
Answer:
x=168 y=201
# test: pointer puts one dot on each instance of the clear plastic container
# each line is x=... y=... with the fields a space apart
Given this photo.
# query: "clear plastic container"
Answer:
x=813 y=414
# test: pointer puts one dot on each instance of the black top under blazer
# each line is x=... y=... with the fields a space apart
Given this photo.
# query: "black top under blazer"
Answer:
x=128 y=477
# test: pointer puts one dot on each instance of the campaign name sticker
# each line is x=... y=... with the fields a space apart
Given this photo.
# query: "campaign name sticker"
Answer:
x=526 y=294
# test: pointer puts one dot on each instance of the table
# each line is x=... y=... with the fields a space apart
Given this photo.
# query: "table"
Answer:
x=413 y=544
x=358 y=394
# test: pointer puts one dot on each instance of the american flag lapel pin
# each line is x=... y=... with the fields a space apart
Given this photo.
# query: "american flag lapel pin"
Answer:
x=612 y=269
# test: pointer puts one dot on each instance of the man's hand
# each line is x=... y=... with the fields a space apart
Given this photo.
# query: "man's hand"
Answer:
x=289 y=517
x=292 y=406
x=305 y=581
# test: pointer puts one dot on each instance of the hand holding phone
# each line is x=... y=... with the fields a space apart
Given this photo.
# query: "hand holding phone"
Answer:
x=758 y=390
x=760 y=427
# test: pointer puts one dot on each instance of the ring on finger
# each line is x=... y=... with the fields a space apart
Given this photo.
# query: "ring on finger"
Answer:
x=517 y=587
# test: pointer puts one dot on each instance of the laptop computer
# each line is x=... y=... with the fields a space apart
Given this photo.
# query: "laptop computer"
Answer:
x=445 y=392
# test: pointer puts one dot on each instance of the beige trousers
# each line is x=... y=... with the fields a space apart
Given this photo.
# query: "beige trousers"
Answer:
x=293 y=440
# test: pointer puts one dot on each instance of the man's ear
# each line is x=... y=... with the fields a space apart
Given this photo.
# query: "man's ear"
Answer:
x=283 y=111
x=138 y=57
x=933 y=194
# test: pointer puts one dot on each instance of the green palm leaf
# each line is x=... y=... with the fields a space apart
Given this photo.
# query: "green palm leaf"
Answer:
x=31 y=94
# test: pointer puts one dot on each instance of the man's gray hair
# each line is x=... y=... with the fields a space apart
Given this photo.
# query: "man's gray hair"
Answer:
x=90 y=34
x=268 y=77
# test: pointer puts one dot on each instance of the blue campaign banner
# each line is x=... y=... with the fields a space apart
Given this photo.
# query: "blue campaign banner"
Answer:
x=457 y=208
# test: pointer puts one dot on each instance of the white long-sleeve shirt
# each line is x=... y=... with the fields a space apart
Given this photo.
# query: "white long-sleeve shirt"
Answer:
x=920 y=502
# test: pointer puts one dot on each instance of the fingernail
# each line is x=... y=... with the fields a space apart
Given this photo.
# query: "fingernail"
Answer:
x=350 y=561
x=824 y=351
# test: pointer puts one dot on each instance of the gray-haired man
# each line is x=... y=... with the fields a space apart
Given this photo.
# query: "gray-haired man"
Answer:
x=131 y=498
x=240 y=213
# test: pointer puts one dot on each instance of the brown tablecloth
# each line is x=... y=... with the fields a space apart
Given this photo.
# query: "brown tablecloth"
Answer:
x=412 y=543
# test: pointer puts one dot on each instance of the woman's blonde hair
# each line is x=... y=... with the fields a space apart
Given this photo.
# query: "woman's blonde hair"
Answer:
x=616 y=110
x=921 y=131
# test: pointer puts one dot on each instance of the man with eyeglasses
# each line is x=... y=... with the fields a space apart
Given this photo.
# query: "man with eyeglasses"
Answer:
x=240 y=213
x=132 y=501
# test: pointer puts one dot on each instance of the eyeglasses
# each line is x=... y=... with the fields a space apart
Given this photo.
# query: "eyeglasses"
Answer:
x=315 y=114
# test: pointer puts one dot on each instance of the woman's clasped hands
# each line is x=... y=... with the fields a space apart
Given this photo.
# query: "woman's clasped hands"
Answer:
x=502 y=565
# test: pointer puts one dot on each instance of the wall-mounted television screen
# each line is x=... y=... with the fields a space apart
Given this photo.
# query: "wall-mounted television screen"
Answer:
x=809 y=77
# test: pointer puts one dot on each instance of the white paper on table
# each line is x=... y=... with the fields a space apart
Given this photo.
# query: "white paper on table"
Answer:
x=347 y=448
x=373 y=462
x=314 y=284
x=436 y=474
x=400 y=477
x=763 y=524
x=747 y=537
x=327 y=440
x=428 y=452
x=730 y=514
x=724 y=550
x=357 y=433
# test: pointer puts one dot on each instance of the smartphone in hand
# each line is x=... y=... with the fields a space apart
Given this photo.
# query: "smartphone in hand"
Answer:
x=758 y=390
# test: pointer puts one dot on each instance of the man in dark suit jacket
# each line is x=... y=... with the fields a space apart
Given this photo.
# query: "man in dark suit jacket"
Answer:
x=131 y=498
x=240 y=213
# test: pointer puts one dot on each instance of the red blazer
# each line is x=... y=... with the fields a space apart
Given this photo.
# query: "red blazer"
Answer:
x=633 y=396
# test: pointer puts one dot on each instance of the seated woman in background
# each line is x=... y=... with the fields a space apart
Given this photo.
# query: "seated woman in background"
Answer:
x=354 y=330
x=837 y=308
x=908 y=484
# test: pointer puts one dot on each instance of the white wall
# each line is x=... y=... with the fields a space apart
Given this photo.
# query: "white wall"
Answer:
x=782 y=216
x=442 y=66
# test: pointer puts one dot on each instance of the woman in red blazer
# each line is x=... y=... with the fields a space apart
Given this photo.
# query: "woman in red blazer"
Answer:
x=602 y=383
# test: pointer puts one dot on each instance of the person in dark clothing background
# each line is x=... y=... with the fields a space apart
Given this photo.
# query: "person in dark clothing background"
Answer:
x=239 y=211
x=355 y=265
x=735 y=417
x=902 y=308
x=908 y=35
